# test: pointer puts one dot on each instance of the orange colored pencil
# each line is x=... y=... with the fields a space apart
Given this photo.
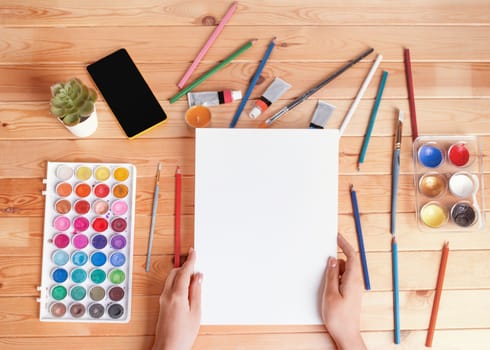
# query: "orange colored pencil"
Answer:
x=178 y=201
x=437 y=297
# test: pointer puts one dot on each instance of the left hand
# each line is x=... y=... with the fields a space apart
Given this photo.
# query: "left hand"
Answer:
x=180 y=308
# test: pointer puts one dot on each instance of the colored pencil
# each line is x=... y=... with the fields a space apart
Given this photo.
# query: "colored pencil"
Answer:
x=372 y=119
x=252 y=84
x=362 y=251
x=411 y=96
x=396 y=292
x=395 y=173
x=213 y=70
x=153 y=217
x=178 y=204
x=208 y=44
x=360 y=93
x=268 y=122
x=437 y=296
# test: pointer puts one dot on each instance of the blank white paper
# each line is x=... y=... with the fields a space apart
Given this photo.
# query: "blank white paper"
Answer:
x=266 y=203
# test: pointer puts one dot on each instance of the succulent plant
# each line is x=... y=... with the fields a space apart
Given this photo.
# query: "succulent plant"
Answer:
x=72 y=102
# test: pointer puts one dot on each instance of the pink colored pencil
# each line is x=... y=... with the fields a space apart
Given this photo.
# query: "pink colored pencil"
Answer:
x=208 y=44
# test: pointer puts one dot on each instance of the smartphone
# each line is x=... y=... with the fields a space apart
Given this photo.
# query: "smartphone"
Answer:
x=126 y=92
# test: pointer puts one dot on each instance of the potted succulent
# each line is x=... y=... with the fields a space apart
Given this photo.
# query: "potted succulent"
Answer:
x=73 y=104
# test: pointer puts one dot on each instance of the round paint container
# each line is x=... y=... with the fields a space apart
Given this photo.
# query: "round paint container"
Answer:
x=459 y=154
x=61 y=223
x=121 y=174
x=58 y=292
x=82 y=190
x=57 y=309
x=60 y=257
x=81 y=224
x=432 y=185
x=117 y=276
x=79 y=241
x=463 y=214
x=97 y=276
x=59 y=275
x=98 y=259
x=100 y=224
x=433 y=215
x=97 y=293
x=63 y=173
x=63 y=189
x=115 y=311
x=78 y=293
x=79 y=258
x=61 y=240
x=78 y=275
x=119 y=224
x=198 y=117
x=430 y=156
x=119 y=207
x=102 y=173
x=81 y=206
x=117 y=259
x=120 y=191
x=116 y=293
x=99 y=241
x=101 y=190
x=77 y=310
x=96 y=310
x=461 y=184
x=100 y=207
x=83 y=173
x=118 y=241
x=62 y=206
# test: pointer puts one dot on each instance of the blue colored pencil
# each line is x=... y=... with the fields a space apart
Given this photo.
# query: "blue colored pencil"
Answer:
x=396 y=293
x=362 y=251
x=372 y=119
x=252 y=84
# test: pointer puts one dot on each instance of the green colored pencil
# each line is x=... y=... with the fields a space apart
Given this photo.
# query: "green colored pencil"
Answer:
x=213 y=70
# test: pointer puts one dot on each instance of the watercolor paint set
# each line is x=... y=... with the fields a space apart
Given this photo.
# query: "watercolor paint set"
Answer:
x=448 y=179
x=88 y=242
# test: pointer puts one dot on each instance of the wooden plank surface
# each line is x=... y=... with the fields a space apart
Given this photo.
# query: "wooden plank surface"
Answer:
x=43 y=42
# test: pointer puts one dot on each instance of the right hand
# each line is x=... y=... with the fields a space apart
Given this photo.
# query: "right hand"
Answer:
x=342 y=294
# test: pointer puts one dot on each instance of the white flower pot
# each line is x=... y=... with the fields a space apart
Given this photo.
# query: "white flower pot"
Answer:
x=85 y=128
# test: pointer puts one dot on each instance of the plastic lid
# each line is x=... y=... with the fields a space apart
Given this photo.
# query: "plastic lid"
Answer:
x=236 y=95
x=255 y=112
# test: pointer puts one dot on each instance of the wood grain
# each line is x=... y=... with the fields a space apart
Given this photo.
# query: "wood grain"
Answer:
x=43 y=42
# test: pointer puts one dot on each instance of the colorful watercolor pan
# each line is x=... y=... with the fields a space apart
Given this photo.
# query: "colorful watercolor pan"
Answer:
x=448 y=183
x=88 y=242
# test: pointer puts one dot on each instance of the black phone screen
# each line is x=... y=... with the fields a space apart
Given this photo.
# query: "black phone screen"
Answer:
x=128 y=95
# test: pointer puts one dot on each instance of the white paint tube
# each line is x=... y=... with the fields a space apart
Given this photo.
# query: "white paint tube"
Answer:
x=213 y=98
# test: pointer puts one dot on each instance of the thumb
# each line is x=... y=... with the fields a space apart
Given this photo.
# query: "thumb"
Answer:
x=195 y=293
x=332 y=278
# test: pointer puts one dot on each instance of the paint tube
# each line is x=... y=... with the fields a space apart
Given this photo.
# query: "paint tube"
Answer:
x=213 y=98
x=322 y=114
x=275 y=90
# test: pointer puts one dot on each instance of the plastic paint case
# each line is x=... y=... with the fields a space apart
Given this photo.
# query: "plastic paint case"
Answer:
x=84 y=258
x=449 y=189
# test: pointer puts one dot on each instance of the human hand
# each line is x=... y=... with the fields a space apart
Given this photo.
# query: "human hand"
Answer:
x=180 y=308
x=342 y=294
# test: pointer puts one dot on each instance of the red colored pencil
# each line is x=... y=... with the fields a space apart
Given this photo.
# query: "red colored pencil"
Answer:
x=437 y=297
x=178 y=201
x=411 y=97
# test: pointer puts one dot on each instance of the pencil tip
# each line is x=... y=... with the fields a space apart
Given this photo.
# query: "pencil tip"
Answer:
x=358 y=167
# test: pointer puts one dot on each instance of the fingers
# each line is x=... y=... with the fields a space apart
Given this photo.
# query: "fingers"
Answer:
x=331 y=279
x=184 y=274
x=348 y=250
x=195 y=293
x=352 y=272
x=169 y=282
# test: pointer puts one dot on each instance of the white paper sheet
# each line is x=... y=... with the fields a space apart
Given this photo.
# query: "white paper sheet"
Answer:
x=266 y=203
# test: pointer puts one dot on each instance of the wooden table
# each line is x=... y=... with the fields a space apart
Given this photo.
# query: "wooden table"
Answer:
x=46 y=42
